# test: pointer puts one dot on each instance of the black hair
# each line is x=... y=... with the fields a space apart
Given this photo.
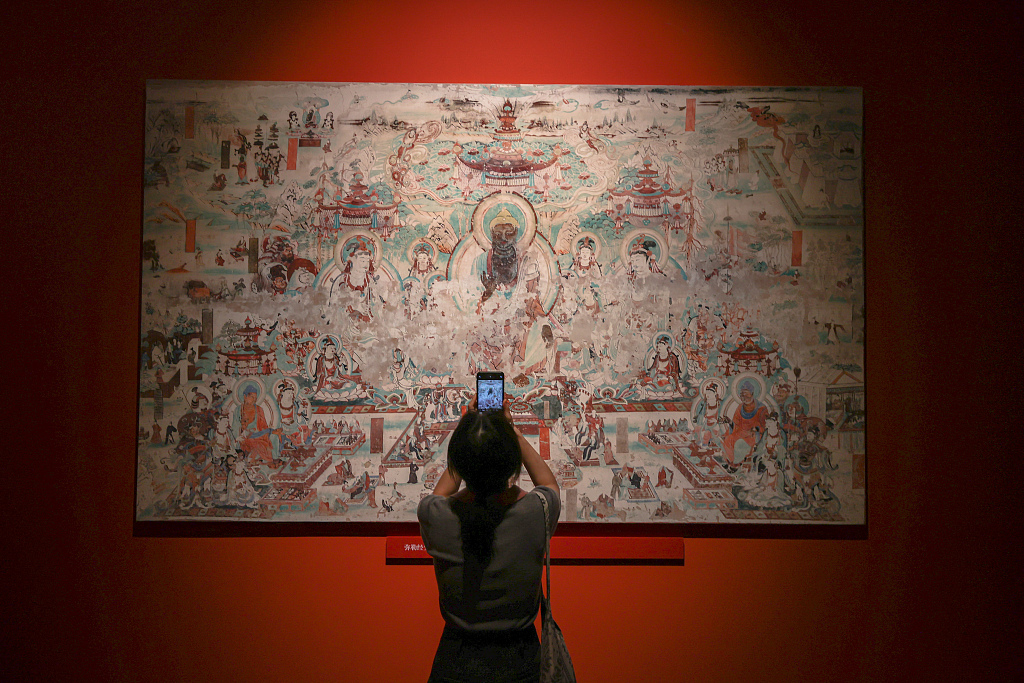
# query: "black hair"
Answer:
x=484 y=451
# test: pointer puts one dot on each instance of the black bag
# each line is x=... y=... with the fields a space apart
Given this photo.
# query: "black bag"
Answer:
x=555 y=662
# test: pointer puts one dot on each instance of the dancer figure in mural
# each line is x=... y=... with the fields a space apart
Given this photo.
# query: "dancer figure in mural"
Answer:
x=487 y=543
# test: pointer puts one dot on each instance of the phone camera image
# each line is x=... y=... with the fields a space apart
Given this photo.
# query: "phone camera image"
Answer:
x=490 y=393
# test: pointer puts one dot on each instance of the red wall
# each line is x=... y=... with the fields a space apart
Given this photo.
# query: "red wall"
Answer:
x=917 y=600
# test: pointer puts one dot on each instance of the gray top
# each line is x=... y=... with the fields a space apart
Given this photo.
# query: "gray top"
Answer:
x=506 y=594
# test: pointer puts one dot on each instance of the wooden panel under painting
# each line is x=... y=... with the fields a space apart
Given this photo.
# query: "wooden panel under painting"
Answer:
x=670 y=278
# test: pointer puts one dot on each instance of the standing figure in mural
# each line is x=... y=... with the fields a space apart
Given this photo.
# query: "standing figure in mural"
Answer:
x=772 y=444
x=793 y=409
x=587 y=302
x=747 y=423
x=579 y=294
x=698 y=341
x=812 y=455
x=241 y=152
x=254 y=430
x=644 y=281
x=403 y=373
x=418 y=296
x=197 y=471
x=532 y=347
x=767 y=477
x=222 y=439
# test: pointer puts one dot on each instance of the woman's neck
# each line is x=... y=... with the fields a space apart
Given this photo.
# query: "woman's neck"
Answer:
x=505 y=497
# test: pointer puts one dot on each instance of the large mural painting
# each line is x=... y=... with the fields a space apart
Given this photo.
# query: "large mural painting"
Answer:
x=671 y=280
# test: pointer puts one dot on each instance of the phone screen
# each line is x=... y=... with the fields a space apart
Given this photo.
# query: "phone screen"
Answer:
x=490 y=390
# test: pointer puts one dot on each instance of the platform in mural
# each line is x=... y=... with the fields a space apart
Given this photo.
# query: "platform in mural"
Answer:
x=670 y=278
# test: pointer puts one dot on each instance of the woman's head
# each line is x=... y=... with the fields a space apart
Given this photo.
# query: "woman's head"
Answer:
x=484 y=450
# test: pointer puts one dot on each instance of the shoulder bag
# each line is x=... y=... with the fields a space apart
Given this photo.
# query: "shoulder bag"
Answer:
x=555 y=662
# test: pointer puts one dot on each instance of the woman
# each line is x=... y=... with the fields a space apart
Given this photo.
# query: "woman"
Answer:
x=487 y=541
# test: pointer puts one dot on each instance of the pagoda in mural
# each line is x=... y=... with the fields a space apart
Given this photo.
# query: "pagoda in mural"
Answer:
x=356 y=208
x=750 y=356
x=504 y=166
x=245 y=357
x=652 y=196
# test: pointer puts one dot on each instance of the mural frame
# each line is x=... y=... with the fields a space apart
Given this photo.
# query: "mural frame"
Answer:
x=670 y=277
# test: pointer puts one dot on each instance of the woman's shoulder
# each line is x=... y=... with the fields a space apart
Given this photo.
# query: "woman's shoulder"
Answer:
x=554 y=503
x=432 y=506
x=550 y=494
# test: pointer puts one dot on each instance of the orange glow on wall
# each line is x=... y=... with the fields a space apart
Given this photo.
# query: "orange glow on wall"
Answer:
x=96 y=603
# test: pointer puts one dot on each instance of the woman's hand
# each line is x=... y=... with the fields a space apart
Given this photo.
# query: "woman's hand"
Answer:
x=540 y=473
x=448 y=483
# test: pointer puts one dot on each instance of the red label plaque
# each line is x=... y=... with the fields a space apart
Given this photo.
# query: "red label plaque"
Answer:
x=568 y=548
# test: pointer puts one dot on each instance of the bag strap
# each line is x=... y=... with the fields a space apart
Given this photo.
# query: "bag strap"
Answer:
x=547 y=541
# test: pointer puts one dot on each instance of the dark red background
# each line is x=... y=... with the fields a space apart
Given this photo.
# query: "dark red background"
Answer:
x=921 y=599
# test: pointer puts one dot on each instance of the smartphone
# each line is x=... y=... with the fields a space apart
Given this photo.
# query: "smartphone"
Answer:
x=490 y=390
